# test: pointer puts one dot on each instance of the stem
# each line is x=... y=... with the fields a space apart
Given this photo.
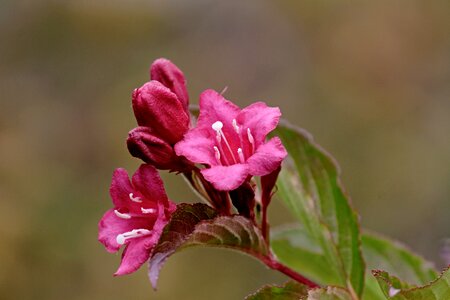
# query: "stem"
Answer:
x=275 y=265
x=264 y=226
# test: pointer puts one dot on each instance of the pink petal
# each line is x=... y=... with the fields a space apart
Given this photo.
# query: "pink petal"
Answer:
x=155 y=106
x=164 y=71
x=197 y=146
x=111 y=225
x=226 y=178
x=135 y=255
x=214 y=107
x=120 y=188
x=267 y=157
x=148 y=182
x=260 y=118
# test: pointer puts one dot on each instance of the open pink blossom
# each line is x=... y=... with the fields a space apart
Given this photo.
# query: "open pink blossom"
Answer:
x=141 y=210
x=232 y=142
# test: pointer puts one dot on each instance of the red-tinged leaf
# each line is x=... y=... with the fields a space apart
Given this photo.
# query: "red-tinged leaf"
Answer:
x=199 y=225
x=292 y=290
x=395 y=289
x=175 y=233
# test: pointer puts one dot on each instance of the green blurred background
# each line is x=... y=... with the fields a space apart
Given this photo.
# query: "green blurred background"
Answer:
x=369 y=79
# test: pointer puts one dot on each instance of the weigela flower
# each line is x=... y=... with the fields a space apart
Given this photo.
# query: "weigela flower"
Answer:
x=161 y=110
x=231 y=142
x=141 y=210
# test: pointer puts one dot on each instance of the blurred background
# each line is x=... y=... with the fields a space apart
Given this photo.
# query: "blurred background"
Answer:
x=369 y=79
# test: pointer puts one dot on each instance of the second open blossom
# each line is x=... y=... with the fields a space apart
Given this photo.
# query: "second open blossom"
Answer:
x=232 y=142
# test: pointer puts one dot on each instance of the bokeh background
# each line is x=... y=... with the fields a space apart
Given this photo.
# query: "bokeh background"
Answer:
x=369 y=79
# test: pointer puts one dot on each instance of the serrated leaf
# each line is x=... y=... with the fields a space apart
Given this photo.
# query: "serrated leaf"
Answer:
x=329 y=293
x=383 y=253
x=175 y=233
x=309 y=184
x=294 y=247
x=395 y=289
x=291 y=290
x=199 y=225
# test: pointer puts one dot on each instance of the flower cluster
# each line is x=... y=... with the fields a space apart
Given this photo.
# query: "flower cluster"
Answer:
x=219 y=156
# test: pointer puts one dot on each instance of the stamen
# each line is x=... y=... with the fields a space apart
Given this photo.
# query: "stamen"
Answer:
x=241 y=155
x=217 y=153
x=148 y=210
x=135 y=199
x=122 y=215
x=122 y=238
x=251 y=139
x=235 y=126
x=217 y=126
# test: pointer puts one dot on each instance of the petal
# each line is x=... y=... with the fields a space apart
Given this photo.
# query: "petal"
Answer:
x=164 y=71
x=150 y=185
x=155 y=106
x=267 y=157
x=111 y=225
x=197 y=146
x=135 y=255
x=120 y=188
x=214 y=107
x=143 y=144
x=260 y=118
x=226 y=178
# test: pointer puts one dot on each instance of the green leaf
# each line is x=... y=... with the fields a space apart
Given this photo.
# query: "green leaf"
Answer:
x=394 y=288
x=382 y=253
x=291 y=290
x=294 y=247
x=198 y=225
x=309 y=184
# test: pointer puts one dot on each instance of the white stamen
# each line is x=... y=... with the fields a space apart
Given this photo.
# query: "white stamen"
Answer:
x=217 y=126
x=251 y=139
x=393 y=292
x=217 y=153
x=148 y=210
x=235 y=126
x=122 y=215
x=135 y=199
x=122 y=238
x=224 y=90
x=241 y=155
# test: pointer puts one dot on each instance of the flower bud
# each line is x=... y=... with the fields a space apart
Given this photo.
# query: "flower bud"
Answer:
x=164 y=71
x=151 y=149
x=156 y=107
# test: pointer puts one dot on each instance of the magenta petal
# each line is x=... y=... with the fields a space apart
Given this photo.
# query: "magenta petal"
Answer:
x=164 y=71
x=148 y=182
x=197 y=146
x=135 y=255
x=214 y=107
x=267 y=157
x=260 y=118
x=155 y=106
x=226 y=178
x=120 y=188
x=110 y=226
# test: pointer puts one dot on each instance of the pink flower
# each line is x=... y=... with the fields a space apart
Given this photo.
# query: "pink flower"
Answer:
x=231 y=141
x=141 y=210
x=161 y=110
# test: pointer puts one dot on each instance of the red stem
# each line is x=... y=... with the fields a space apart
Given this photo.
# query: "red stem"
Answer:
x=275 y=265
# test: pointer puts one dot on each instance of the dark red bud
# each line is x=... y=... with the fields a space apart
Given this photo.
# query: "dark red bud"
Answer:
x=164 y=71
x=156 y=107
x=151 y=149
